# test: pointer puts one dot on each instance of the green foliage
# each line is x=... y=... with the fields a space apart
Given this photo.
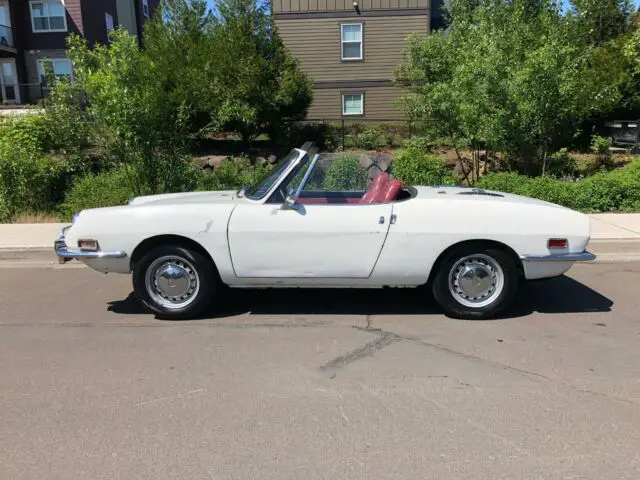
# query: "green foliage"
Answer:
x=106 y=189
x=324 y=135
x=230 y=71
x=601 y=147
x=134 y=122
x=615 y=191
x=516 y=77
x=416 y=167
x=31 y=177
x=233 y=174
x=562 y=164
x=369 y=139
x=345 y=174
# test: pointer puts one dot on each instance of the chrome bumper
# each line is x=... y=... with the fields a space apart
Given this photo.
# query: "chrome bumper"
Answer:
x=64 y=254
x=560 y=257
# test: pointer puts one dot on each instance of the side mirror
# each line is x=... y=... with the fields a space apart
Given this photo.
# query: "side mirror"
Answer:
x=289 y=203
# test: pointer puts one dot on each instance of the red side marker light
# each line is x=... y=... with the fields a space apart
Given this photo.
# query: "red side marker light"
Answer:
x=557 y=243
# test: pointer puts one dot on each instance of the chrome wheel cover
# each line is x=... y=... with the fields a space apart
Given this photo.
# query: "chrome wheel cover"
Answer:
x=476 y=281
x=172 y=282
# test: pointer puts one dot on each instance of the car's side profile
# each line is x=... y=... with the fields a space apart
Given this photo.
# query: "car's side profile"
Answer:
x=471 y=247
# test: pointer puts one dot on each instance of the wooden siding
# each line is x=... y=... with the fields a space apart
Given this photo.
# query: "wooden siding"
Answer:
x=280 y=6
x=316 y=43
x=379 y=104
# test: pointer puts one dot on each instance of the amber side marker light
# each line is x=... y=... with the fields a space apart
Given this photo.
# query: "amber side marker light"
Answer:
x=557 y=243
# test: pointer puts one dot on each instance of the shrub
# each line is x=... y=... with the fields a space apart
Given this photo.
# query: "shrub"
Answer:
x=601 y=147
x=614 y=191
x=368 y=140
x=233 y=173
x=105 y=189
x=345 y=173
x=562 y=164
x=415 y=167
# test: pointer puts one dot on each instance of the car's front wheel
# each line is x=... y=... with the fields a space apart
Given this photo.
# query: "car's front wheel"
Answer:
x=174 y=282
x=476 y=281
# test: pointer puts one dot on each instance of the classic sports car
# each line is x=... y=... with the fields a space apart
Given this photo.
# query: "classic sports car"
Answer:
x=301 y=227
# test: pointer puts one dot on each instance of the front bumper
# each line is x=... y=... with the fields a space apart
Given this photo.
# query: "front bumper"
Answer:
x=560 y=257
x=65 y=254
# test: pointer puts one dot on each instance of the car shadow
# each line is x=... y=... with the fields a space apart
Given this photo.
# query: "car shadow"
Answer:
x=558 y=295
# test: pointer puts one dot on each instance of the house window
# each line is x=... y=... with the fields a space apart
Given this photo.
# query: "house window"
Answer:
x=353 y=104
x=145 y=8
x=59 y=67
x=108 y=20
x=48 y=16
x=351 y=40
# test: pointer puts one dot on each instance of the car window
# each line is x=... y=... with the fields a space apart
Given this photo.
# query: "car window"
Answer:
x=336 y=174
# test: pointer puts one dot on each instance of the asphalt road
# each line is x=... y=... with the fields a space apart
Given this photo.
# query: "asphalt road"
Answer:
x=318 y=384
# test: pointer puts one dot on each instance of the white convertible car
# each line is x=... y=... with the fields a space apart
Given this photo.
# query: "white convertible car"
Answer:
x=296 y=229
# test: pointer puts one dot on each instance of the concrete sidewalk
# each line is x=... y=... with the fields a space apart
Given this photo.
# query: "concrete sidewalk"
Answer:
x=605 y=228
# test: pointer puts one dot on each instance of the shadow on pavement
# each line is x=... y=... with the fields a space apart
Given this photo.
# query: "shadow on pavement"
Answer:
x=559 y=295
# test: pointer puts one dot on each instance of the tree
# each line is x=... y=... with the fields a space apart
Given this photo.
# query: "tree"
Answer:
x=510 y=76
x=261 y=84
x=231 y=69
x=134 y=121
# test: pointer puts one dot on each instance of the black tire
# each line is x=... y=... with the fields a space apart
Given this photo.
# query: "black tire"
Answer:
x=198 y=266
x=452 y=304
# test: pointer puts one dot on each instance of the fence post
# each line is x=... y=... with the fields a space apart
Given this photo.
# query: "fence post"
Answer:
x=409 y=128
x=343 y=134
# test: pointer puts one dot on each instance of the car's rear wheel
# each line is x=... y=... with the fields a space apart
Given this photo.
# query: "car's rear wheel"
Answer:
x=175 y=282
x=476 y=281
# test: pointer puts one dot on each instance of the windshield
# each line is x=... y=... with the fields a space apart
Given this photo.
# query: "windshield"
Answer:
x=258 y=189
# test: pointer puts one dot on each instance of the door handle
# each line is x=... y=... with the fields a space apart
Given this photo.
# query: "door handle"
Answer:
x=381 y=220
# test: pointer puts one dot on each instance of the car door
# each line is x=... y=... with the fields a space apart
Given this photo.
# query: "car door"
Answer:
x=307 y=241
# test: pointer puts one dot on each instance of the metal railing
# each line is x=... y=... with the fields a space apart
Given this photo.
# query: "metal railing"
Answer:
x=6 y=37
x=351 y=131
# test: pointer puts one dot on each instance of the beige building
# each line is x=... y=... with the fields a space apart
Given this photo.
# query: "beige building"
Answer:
x=350 y=49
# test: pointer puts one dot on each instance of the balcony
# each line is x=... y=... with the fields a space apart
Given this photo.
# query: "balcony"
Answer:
x=6 y=39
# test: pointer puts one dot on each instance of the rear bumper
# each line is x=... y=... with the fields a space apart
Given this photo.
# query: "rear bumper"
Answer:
x=65 y=254
x=560 y=257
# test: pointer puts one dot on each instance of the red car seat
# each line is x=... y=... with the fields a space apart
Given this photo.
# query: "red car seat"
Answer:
x=393 y=189
x=377 y=190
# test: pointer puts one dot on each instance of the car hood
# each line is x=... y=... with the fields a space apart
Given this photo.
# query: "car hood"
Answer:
x=227 y=196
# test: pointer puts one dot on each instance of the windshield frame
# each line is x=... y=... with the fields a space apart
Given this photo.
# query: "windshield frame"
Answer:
x=275 y=176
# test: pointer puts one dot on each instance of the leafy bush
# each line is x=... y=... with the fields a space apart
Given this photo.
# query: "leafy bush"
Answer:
x=31 y=178
x=233 y=174
x=415 y=167
x=562 y=164
x=614 y=191
x=368 y=140
x=601 y=147
x=344 y=174
x=95 y=191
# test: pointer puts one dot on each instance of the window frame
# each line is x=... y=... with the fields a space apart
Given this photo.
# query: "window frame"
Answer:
x=352 y=94
x=41 y=70
x=45 y=3
x=107 y=17
x=343 y=41
x=145 y=9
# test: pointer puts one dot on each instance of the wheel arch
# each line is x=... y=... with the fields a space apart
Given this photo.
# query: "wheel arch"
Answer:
x=167 y=239
x=486 y=244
